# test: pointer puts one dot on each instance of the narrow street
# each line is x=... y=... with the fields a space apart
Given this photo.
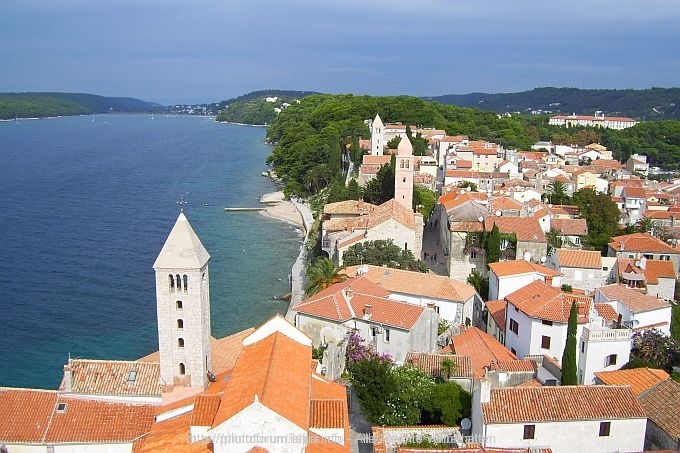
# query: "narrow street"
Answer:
x=435 y=251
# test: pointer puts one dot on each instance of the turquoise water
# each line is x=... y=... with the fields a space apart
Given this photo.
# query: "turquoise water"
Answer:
x=86 y=207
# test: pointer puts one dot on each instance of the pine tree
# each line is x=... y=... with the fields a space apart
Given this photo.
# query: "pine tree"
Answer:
x=569 y=354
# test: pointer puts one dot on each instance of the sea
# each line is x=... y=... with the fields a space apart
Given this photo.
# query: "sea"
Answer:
x=86 y=205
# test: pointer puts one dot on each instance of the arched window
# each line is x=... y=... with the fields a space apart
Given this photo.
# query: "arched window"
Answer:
x=182 y=369
x=179 y=304
x=179 y=281
x=172 y=281
x=180 y=342
x=180 y=324
x=186 y=282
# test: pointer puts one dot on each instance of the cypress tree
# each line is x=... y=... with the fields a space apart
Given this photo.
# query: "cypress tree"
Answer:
x=569 y=354
x=493 y=245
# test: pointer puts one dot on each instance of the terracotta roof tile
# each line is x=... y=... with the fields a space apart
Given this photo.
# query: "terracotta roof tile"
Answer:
x=114 y=377
x=640 y=379
x=518 y=267
x=497 y=309
x=640 y=242
x=542 y=301
x=328 y=413
x=276 y=370
x=563 y=403
x=570 y=227
x=411 y=282
x=431 y=363
x=349 y=207
x=514 y=365
x=25 y=414
x=634 y=300
x=394 y=210
x=96 y=421
x=335 y=303
x=482 y=348
x=205 y=408
x=170 y=436
x=584 y=259
x=607 y=312
x=662 y=403
x=527 y=229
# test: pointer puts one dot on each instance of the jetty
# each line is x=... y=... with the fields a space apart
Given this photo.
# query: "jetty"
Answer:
x=243 y=209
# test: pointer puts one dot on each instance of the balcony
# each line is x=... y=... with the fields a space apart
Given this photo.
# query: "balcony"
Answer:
x=606 y=334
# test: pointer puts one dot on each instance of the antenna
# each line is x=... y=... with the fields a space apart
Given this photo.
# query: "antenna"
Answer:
x=181 y=202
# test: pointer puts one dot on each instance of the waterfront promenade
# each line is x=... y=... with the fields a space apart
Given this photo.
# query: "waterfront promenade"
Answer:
x=297 y=274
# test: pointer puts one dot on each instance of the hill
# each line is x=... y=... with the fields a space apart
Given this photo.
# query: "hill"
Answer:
x=258 y=107
x=43 y=105
x=645 y=105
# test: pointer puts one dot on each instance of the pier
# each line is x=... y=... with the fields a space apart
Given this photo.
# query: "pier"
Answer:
x=243 y=209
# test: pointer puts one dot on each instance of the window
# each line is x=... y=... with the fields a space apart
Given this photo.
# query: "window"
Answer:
x=473 y=254
x=132 y=376
x=665 y=257
x=529 y=431
x=545 y=342
x=61 y=408
x=546 y=323
x=178 y=304
x=374 y=332
x=172 y=281
x=180 y=324
x=513 y=351
x=186 y=282
x=605 y=427
x=610 y=360
x=182 y=369
x=583 y=346
x=577 y=240
x=178 y=280
x=514 y=327
x=387 y=336
x=180 y=342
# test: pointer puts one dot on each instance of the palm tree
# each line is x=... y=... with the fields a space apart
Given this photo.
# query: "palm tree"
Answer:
x=322 y=274
x=447 y=367
x=646 y=225
x=557 y=191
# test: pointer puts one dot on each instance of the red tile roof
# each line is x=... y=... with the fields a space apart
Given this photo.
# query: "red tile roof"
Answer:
x=431 y=363
x=584 y=259
x=114 y=377
x=570 y=227
x=170 y=436
x=415 y=283
x=275 y=370
x=328 y=413
x=337 y=304
x=43 y=416
x=640 y=379
x=541 y=301
x=607 y=312
x=482 y=348
x=634 y=300
x=205 y=408
x=662 y=404
x=563 y=403
x=518 y=267
x=640 y=242
x=497 y=309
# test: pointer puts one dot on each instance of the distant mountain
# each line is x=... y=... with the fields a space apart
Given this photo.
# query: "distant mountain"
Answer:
x=649 y=104
x=258 y=107
x=42 y=105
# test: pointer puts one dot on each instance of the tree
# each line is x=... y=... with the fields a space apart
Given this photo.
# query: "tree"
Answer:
x=557 y=192
x=602 y=217
x=413 y=387
x=655 y=350
x=646 y=225
x=321 y=274
x=466 y=184
x=424 y=200
x=569 y=355
x=447 y=368
x=383 y=253
x=447 y=403
x=480 y=284
x=373 y=382
x=493 y=245
x=381 y=188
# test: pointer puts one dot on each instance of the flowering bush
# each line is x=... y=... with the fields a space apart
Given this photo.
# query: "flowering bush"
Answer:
x=654 y=348
x=357 y=350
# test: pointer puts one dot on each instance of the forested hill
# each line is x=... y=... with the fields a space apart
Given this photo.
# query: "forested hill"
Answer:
x=258 y=107
x=645 y=105
x=42 y=105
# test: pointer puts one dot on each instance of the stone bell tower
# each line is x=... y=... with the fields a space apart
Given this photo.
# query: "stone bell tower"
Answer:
x=183 y=307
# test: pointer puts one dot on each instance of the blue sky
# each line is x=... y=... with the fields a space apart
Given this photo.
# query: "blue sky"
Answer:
x=173 y=51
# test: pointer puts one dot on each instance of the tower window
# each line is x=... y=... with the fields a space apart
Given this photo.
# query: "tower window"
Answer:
x=180 y=342
x=186 y=282
x=179 y=282
x=180 y=324
x=172 y=281
x=182 y=369
x=178 y=304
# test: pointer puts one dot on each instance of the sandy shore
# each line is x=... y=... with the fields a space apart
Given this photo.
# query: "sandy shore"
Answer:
x=280 y=208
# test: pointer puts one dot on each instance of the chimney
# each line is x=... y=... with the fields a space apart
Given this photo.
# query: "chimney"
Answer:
x=484 y=390
x=431 y=305
x=67 y=378
x=368 y=310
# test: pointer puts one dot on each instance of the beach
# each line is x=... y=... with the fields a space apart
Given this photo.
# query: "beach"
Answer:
x=280 y=208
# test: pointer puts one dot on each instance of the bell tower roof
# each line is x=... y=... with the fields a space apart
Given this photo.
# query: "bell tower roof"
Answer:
x=183 y=249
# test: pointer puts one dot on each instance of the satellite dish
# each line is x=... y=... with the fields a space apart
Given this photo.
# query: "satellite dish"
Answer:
x=637 y=264
x=465 y=423
x=543 y=259
x=499 y=213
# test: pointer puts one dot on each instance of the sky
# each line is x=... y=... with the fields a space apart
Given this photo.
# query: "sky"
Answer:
x=201 y=51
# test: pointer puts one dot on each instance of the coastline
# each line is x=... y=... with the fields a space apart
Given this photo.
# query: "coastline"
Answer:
x=281 y=209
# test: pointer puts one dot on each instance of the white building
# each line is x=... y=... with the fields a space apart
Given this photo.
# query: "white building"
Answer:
x=567 y=419
x=377 y=137
x=506 y=277
x=638 y=311
x=599 y=120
